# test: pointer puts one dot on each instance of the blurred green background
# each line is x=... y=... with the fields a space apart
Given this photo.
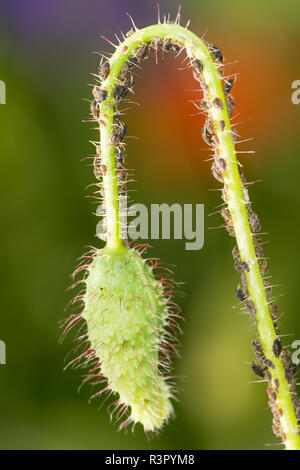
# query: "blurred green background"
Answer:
x=45 y=60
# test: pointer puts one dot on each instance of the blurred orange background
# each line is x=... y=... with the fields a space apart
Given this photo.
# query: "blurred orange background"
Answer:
x=45 y=60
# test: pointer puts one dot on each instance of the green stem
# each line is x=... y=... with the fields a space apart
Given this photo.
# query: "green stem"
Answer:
x=224 y=148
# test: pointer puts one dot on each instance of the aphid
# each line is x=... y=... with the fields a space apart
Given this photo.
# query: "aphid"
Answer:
x=228 y=85
x=122 y=131
x=115 y=138
x=101 y=96
x=123 y=74
x=95 y=111
x=216 y=53
x=224 y=194
x=276 y=328
x=226 y=215
x=119 y=135
x=120 y=92
x=235 y=253
x=237 y=266
x=259 y=251
x=268 y=287
x=234 y=134
x=170 y=46
x=204 y=85
x=276 y=382
x=244 y=281
x=277 y=347
x=297 y=407
x=245 y=266
x=210 y=126
x=240 y=295
x=95 y=91
x=221 y=164
x=265 y=267
x=129 y=81
x=216 y=173
x=230 y=104
x=104 y=71
x=255 y=223
x=97 y=167
x=132 y=62
x=286 y=356
x=288 y=375
x=218 y=103
x=268 y=376
x=273 y=396
x=230 y=230
x=197 y=77
x=269 y=363
x=259 y=371
x=293 y=368
x=207 y=136
x=198 y=65
x=258 y=348
x=120 y=154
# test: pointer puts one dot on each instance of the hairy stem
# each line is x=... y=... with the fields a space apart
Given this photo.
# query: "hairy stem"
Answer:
x=210 y=78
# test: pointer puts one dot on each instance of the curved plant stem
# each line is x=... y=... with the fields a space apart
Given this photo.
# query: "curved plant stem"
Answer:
x=233 y=194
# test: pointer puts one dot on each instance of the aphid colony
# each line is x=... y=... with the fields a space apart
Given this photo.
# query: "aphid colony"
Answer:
x=262 y=366
x=121 y=91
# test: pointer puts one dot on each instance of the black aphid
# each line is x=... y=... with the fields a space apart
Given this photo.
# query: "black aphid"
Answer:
x=101 y=95
x=240 y=295
x=259 y=371
x=269 y=363
x=277 y=347
x=216 y=53
x=120 y=155
x=122 y=131
x=230 y=104
x=198 y=65
x=170 y=46
x=228 y=85
x=132 y=62
x=207 y=136
x=120 y=92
